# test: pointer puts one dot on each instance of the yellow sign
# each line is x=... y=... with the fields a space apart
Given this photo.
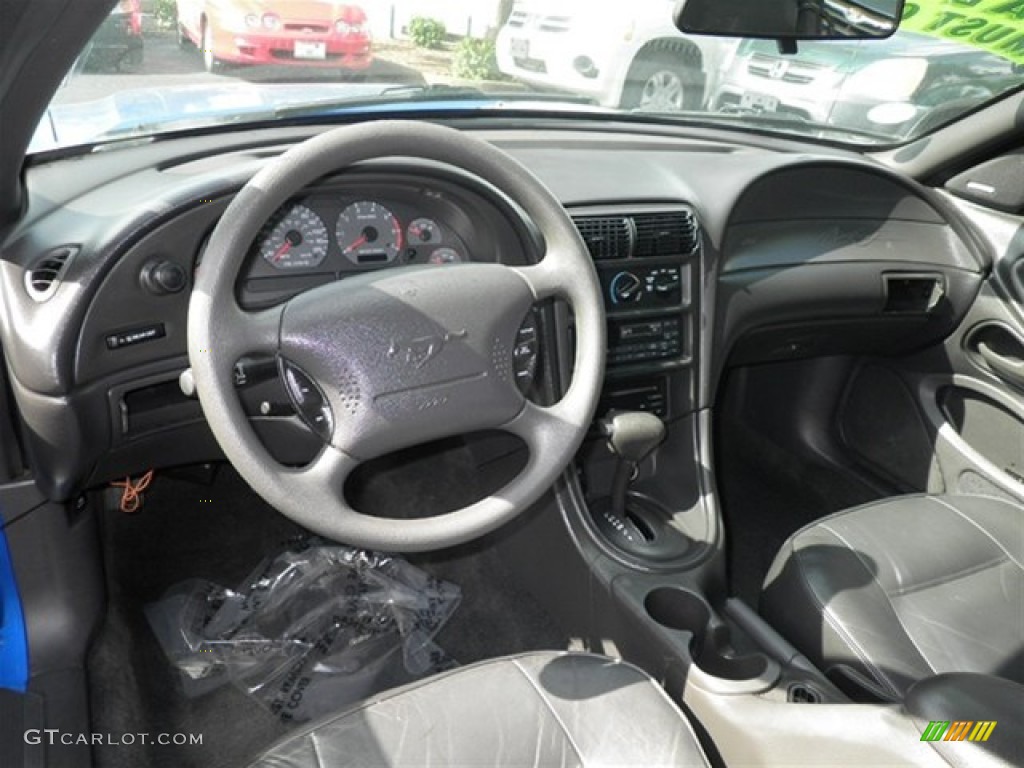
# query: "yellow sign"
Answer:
x=996 y=26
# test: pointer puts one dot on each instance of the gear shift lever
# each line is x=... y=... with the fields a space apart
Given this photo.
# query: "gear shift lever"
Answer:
x=632 y=435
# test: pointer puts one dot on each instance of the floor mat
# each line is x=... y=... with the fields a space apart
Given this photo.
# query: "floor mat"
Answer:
x=767 y=494
x=216 y=532
x=219 y=532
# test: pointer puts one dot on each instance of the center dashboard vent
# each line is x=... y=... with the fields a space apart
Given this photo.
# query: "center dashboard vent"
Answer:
x=606 y=237
x=43 y=278
x=673 y=233
x=639 y=235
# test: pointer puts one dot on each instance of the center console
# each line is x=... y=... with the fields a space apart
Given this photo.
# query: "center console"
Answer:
x=645 y=518
x=649 y=262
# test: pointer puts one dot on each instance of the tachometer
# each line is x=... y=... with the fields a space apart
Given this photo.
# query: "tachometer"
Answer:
x=295 y=238
x=369 y=233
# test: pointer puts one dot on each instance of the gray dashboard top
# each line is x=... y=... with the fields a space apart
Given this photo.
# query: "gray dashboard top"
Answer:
x=108 y=200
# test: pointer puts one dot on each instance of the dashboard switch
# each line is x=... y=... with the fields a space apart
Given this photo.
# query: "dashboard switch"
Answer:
x=665 y=281
x=162 y=278
x=626 y=288
x=187 y=383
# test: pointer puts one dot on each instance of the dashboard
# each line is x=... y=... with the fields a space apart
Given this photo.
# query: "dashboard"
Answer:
x=710 y=252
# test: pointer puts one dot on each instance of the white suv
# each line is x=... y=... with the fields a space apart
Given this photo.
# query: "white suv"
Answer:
x=621 y=54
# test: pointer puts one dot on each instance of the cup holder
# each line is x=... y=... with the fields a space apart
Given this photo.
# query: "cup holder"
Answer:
x=709 y=647
x=678 y=609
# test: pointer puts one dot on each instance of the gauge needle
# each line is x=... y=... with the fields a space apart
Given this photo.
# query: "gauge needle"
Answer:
x=280 y=252
x=361 y=241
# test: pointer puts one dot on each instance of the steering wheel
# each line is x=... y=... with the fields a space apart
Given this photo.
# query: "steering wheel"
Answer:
x=398 y=357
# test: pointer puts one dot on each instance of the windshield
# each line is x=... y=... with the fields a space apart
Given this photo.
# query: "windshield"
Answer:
x=164 y=65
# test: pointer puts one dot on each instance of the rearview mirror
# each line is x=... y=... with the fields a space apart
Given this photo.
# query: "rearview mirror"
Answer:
x=790 y=19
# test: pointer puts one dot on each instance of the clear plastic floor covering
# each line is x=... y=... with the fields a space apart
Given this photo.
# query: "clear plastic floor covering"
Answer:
x=309 y=631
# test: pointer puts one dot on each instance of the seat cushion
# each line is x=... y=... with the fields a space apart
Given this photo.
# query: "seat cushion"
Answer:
x=882 y=595
x=539 y=709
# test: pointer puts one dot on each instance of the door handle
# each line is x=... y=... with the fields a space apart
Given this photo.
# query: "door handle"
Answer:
x=1008 y=367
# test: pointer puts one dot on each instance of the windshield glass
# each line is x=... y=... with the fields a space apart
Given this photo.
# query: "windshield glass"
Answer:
x=165 y=65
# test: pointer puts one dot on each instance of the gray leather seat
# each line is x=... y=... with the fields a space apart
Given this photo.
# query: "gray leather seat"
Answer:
x=888 y=593
x=539 y=709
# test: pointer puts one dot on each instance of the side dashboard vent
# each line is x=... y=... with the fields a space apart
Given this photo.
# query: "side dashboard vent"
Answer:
x=606 y=237
x=43 y=277
x=672 y=233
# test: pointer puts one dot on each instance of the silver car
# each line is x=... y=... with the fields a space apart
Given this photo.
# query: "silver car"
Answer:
x=627 y=55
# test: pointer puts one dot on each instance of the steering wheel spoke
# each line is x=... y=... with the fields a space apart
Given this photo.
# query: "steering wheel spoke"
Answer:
x=328 y=471
x=252 y=333
x=544 y=428
x=544 y=278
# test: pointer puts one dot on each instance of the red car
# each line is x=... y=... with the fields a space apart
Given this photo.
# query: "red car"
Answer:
x=307 y=32
x=118 y=43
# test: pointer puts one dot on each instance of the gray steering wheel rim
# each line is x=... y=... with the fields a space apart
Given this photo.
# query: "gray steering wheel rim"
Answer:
x=219 y=332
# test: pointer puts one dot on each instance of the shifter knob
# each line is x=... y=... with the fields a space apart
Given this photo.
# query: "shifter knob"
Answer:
x=632 y=435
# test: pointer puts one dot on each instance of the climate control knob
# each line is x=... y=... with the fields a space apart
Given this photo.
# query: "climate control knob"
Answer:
x=626 y=288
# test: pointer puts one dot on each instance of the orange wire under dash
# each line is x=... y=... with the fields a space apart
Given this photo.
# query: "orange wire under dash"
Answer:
x=131 y=493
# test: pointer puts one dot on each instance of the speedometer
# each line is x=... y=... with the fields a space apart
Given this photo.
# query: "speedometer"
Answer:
x=295 y=238
x=369 y=233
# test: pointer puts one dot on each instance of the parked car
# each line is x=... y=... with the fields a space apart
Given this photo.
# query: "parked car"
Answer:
x=633 y=57
x=118 y=44
x=894 y=87
x=305 y=32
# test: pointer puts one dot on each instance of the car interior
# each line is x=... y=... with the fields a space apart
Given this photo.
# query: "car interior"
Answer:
x=719 y=430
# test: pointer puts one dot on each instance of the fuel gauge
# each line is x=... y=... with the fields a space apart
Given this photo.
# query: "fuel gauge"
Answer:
x=446 y=256
x=423 y=231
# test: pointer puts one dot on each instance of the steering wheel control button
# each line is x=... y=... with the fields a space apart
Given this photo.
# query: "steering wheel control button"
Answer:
x=308 y=400
x=162 y=278
x=524 y=356
x=136 y=336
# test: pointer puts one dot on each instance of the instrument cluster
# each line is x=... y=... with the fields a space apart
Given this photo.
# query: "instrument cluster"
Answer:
x=366 y=233
x=327 y=235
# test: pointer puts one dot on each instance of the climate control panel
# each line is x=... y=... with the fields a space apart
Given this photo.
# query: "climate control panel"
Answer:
x=645 y=287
